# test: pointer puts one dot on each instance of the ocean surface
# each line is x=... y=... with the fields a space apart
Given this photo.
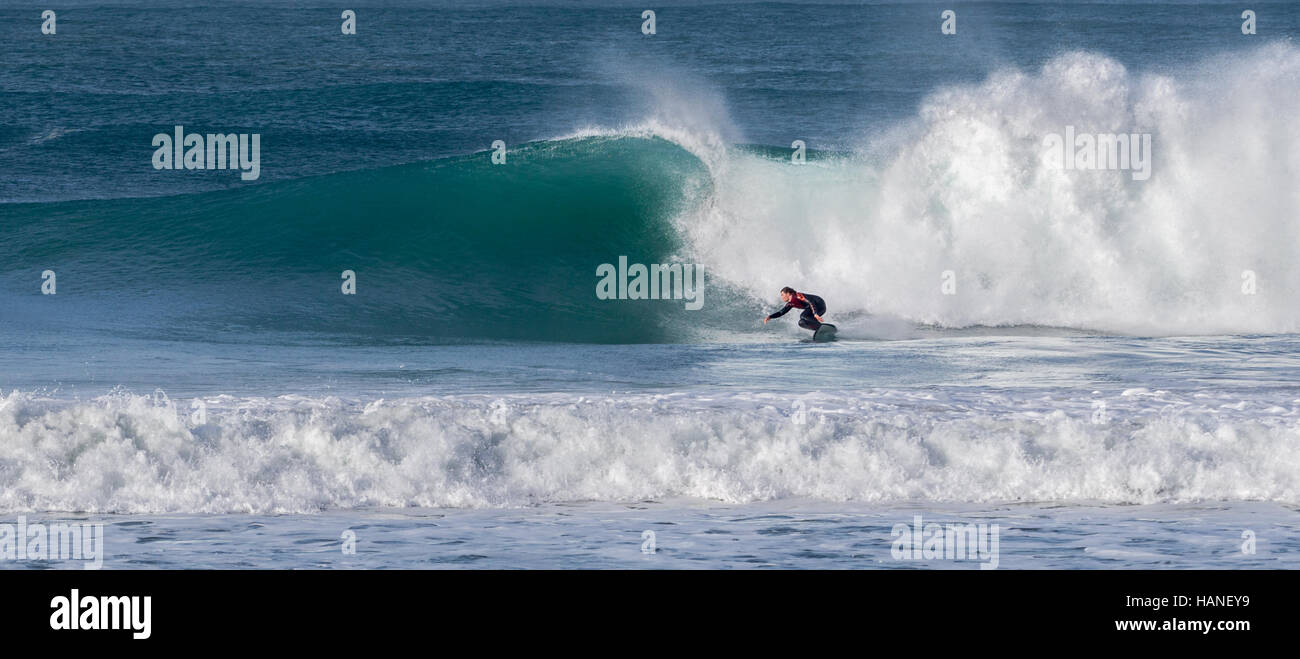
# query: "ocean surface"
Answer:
x=1102 y=366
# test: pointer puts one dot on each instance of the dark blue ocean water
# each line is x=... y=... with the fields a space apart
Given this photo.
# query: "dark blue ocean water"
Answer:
x=428 y=79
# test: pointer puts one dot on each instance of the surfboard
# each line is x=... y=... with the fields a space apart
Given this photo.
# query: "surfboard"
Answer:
x=824 y=333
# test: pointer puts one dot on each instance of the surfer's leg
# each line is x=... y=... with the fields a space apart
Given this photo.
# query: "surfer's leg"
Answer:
x=807 y=321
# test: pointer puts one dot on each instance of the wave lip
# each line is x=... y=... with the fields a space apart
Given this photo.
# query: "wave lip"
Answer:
x=126 y=454
x=956 y=218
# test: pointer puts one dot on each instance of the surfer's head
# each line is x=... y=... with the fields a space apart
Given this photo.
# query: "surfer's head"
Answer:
x=787 y=293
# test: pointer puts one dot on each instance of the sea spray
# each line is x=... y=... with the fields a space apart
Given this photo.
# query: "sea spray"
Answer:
x=126 y=454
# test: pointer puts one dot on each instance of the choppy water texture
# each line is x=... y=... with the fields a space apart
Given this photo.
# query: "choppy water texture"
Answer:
x=693 y=535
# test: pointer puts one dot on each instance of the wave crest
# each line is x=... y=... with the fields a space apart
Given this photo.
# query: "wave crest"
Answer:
x=964 y=189
x=129 y=454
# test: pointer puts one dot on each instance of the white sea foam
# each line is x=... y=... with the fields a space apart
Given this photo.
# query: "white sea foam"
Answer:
x=123 y=453
x=963 y=187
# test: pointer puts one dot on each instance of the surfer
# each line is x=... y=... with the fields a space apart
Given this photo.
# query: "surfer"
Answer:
x=813 y=307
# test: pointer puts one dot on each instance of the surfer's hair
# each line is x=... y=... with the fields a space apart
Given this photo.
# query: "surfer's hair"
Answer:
x=789 y=290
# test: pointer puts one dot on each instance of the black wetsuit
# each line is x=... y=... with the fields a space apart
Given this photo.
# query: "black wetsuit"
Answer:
x=806 y=319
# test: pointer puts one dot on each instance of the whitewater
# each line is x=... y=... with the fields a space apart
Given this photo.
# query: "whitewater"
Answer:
x=128 y=453
x=965 y=188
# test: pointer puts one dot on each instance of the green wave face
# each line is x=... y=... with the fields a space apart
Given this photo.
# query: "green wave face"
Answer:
x=451 y=248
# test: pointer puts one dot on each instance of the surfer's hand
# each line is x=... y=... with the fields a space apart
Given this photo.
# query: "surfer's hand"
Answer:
x=766 y=318
x=819 y=318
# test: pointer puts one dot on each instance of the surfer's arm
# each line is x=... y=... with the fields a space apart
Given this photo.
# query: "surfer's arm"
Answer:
x=782 y=312
x=812 y=307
